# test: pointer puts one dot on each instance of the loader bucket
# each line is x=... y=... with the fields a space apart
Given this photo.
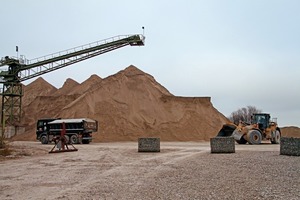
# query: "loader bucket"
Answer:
x=226 y=130
x=230 y=130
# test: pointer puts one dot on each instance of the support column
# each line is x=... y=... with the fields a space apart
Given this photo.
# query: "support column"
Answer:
x=11 y=103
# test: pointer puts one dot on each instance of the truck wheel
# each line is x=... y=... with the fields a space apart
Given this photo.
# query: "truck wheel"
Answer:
x=85 y=141
x=276 y=139
x=74 y=139
x=254 y=137
x=44 y=139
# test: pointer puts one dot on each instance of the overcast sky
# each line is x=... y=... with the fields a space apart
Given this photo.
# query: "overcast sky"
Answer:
x=238 y=52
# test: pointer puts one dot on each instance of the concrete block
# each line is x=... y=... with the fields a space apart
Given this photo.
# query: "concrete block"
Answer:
x=222 y=145
x=290 y=146
x=149 y=145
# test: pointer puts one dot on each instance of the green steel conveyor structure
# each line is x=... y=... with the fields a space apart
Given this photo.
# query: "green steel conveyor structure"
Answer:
x=21 y=69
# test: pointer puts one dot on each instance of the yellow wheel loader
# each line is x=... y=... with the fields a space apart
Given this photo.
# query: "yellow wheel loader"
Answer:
x=261 y=128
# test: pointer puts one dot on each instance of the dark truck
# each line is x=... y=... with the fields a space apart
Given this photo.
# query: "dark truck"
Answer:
x=77 y=130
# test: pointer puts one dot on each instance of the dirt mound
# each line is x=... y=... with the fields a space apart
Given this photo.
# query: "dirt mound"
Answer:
x=86 y=85
x=128 y=105
x=67 y=87
x=290 y=131
x=39 y=87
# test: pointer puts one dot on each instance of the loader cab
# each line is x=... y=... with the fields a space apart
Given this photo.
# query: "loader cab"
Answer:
x=262 y=119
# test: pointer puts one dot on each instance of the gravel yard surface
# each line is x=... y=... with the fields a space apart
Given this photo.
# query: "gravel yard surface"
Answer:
x=181 y=170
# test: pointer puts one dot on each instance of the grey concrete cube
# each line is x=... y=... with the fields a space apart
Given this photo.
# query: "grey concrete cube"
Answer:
x=149 y=145
x=290 y=146
x=222 y=145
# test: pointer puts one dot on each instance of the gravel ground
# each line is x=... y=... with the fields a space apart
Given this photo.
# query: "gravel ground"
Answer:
x=180 y=171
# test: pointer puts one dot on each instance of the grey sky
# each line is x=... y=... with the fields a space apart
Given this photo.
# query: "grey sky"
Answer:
x=239 y=52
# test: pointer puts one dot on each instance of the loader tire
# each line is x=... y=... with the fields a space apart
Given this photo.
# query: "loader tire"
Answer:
x=254 y=137
x=276 y=139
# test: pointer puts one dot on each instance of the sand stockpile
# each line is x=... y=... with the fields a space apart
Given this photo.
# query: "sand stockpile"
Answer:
x=67 y=88
x=290 y=131
x=39 y=87
x=127 y=105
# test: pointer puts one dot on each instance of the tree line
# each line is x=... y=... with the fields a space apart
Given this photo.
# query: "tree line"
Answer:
x=243 y=114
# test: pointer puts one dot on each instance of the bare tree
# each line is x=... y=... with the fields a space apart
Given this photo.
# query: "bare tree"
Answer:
x=243 y=114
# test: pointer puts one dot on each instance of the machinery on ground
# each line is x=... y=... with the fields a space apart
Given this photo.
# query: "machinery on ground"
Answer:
x=261 y=128
x=21 y=69
x=76 y=130
x=61 y=142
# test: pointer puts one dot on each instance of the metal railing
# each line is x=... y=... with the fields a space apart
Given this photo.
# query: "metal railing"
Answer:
x=78 y=48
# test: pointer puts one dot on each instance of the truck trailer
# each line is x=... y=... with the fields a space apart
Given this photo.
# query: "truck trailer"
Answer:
x=77 y=130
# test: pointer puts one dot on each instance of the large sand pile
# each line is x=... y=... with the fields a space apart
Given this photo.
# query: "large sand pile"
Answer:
x=39 y=87
x=290 y=131
x=127 y=105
